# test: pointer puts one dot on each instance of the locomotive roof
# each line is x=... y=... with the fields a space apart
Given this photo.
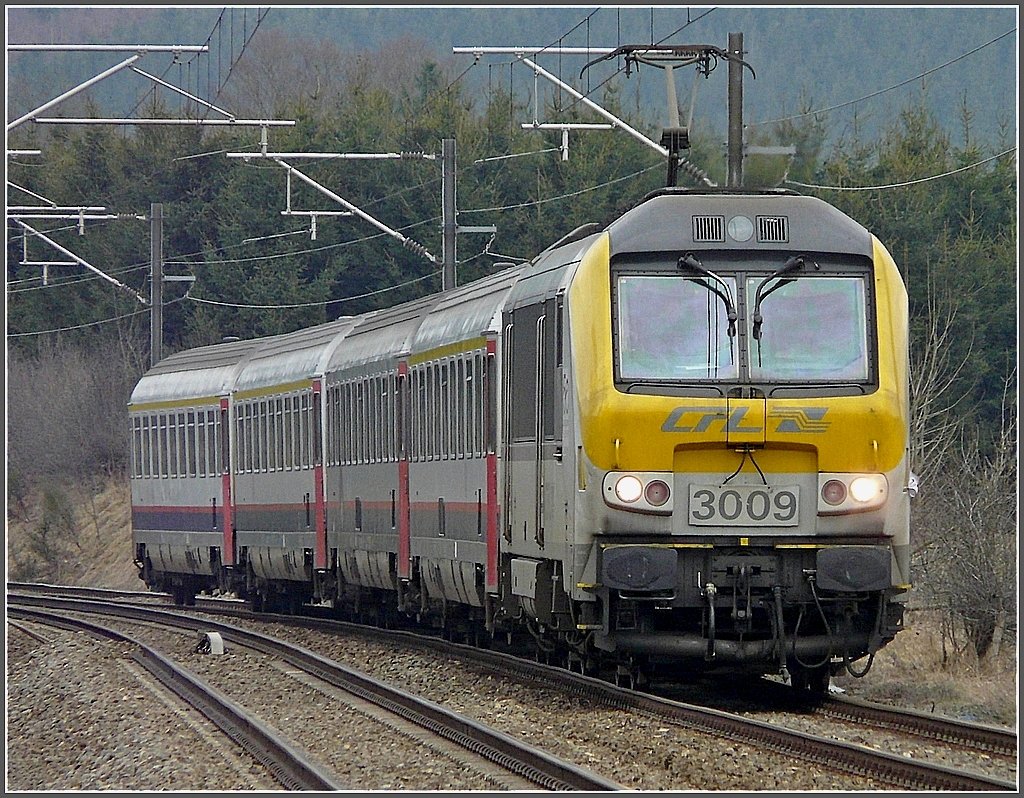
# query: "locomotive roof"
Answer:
x=665 y=221
x=551 y=270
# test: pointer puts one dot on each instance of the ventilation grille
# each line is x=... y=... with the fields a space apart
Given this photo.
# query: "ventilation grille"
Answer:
x=708 y=229
x=773 y=229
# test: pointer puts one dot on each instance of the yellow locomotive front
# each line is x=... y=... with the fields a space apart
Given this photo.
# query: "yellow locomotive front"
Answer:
x=739 y=369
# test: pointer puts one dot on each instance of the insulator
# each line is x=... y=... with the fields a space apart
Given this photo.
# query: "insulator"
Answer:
x=694 y=171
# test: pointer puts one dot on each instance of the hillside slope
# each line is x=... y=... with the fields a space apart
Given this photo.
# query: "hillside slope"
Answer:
x=93 y=548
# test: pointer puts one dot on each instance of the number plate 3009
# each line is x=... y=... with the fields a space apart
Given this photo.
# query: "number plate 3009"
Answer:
x=744 y=505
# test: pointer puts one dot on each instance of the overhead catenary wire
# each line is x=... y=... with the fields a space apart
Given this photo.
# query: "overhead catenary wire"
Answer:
x=317 y=303
x=87 y=324
x=908 y=182
x=882 y=91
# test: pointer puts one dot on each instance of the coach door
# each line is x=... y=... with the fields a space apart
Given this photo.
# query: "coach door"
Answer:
x=532 y=398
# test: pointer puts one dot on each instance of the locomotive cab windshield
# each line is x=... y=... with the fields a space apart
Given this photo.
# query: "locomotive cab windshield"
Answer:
x=805 y=324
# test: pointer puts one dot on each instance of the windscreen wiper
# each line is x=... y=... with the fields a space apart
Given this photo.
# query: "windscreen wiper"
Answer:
x=795 y=262
x=690 y=261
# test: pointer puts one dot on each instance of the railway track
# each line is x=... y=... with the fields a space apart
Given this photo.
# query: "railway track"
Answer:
x=892 y=769
x=289 y=766
x=532 y=764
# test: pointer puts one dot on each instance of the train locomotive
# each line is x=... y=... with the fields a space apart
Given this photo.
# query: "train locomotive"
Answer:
x=673 y=444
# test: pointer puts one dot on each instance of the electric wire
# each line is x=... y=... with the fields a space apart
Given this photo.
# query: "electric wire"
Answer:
x=882 y=91
x=91 y=323
x=313 y=304
x=908 y=182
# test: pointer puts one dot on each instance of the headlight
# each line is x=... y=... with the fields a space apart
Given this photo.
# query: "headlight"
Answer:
x=850 y=493
x=628 y=489
x=642 y=492
x=865 y=489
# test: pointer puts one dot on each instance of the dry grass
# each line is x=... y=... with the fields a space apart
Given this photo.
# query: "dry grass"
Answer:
x=922 y=670
x=918 y=669
x=94 y=551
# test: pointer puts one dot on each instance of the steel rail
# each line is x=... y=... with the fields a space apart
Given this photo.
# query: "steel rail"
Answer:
x=851 y=758
x=857 y=759
x=984 y=737
x=527 y=761
x=287 y=764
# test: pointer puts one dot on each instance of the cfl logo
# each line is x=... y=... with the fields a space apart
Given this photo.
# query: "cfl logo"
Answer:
x=702 y=419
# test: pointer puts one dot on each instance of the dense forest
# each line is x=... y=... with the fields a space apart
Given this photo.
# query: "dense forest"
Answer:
x=945 y=206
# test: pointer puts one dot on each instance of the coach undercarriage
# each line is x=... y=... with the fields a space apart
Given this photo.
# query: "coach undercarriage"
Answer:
x=660 y=612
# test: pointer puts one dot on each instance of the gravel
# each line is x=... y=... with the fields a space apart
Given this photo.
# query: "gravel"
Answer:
x=81 y=715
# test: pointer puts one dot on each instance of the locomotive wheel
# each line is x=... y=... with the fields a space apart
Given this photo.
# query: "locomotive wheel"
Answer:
x=812 y=680
x=183 y=595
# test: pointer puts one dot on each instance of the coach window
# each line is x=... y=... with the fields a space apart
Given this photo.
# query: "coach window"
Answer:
x=137 y=446
x=254 y=436
x=339 y=423
x=267 y=408
x=468 y=389
x=154 y=446
x=302 y=430
x=377 y=419
x=272 y=431
x=357 y=421
x=178 y=462
x=168 y=454
x=190 y=418
x=384 y=420
x=242 y=437
x=259 y=436
x=201 y=443
x=473 y=383
x=296 y=433
x=166 y=439
x=329 y=412
x=344 y=425
x=259 y=441
x=273 y=434
x=348 y=423
x=245 y=414
x=174 y=436
x=211 y=444
x=444 y=411
x=331 y=403
x=440 y=411
x=413 y=417
x=376 y=428
x=279 y=433
x=438 y=414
